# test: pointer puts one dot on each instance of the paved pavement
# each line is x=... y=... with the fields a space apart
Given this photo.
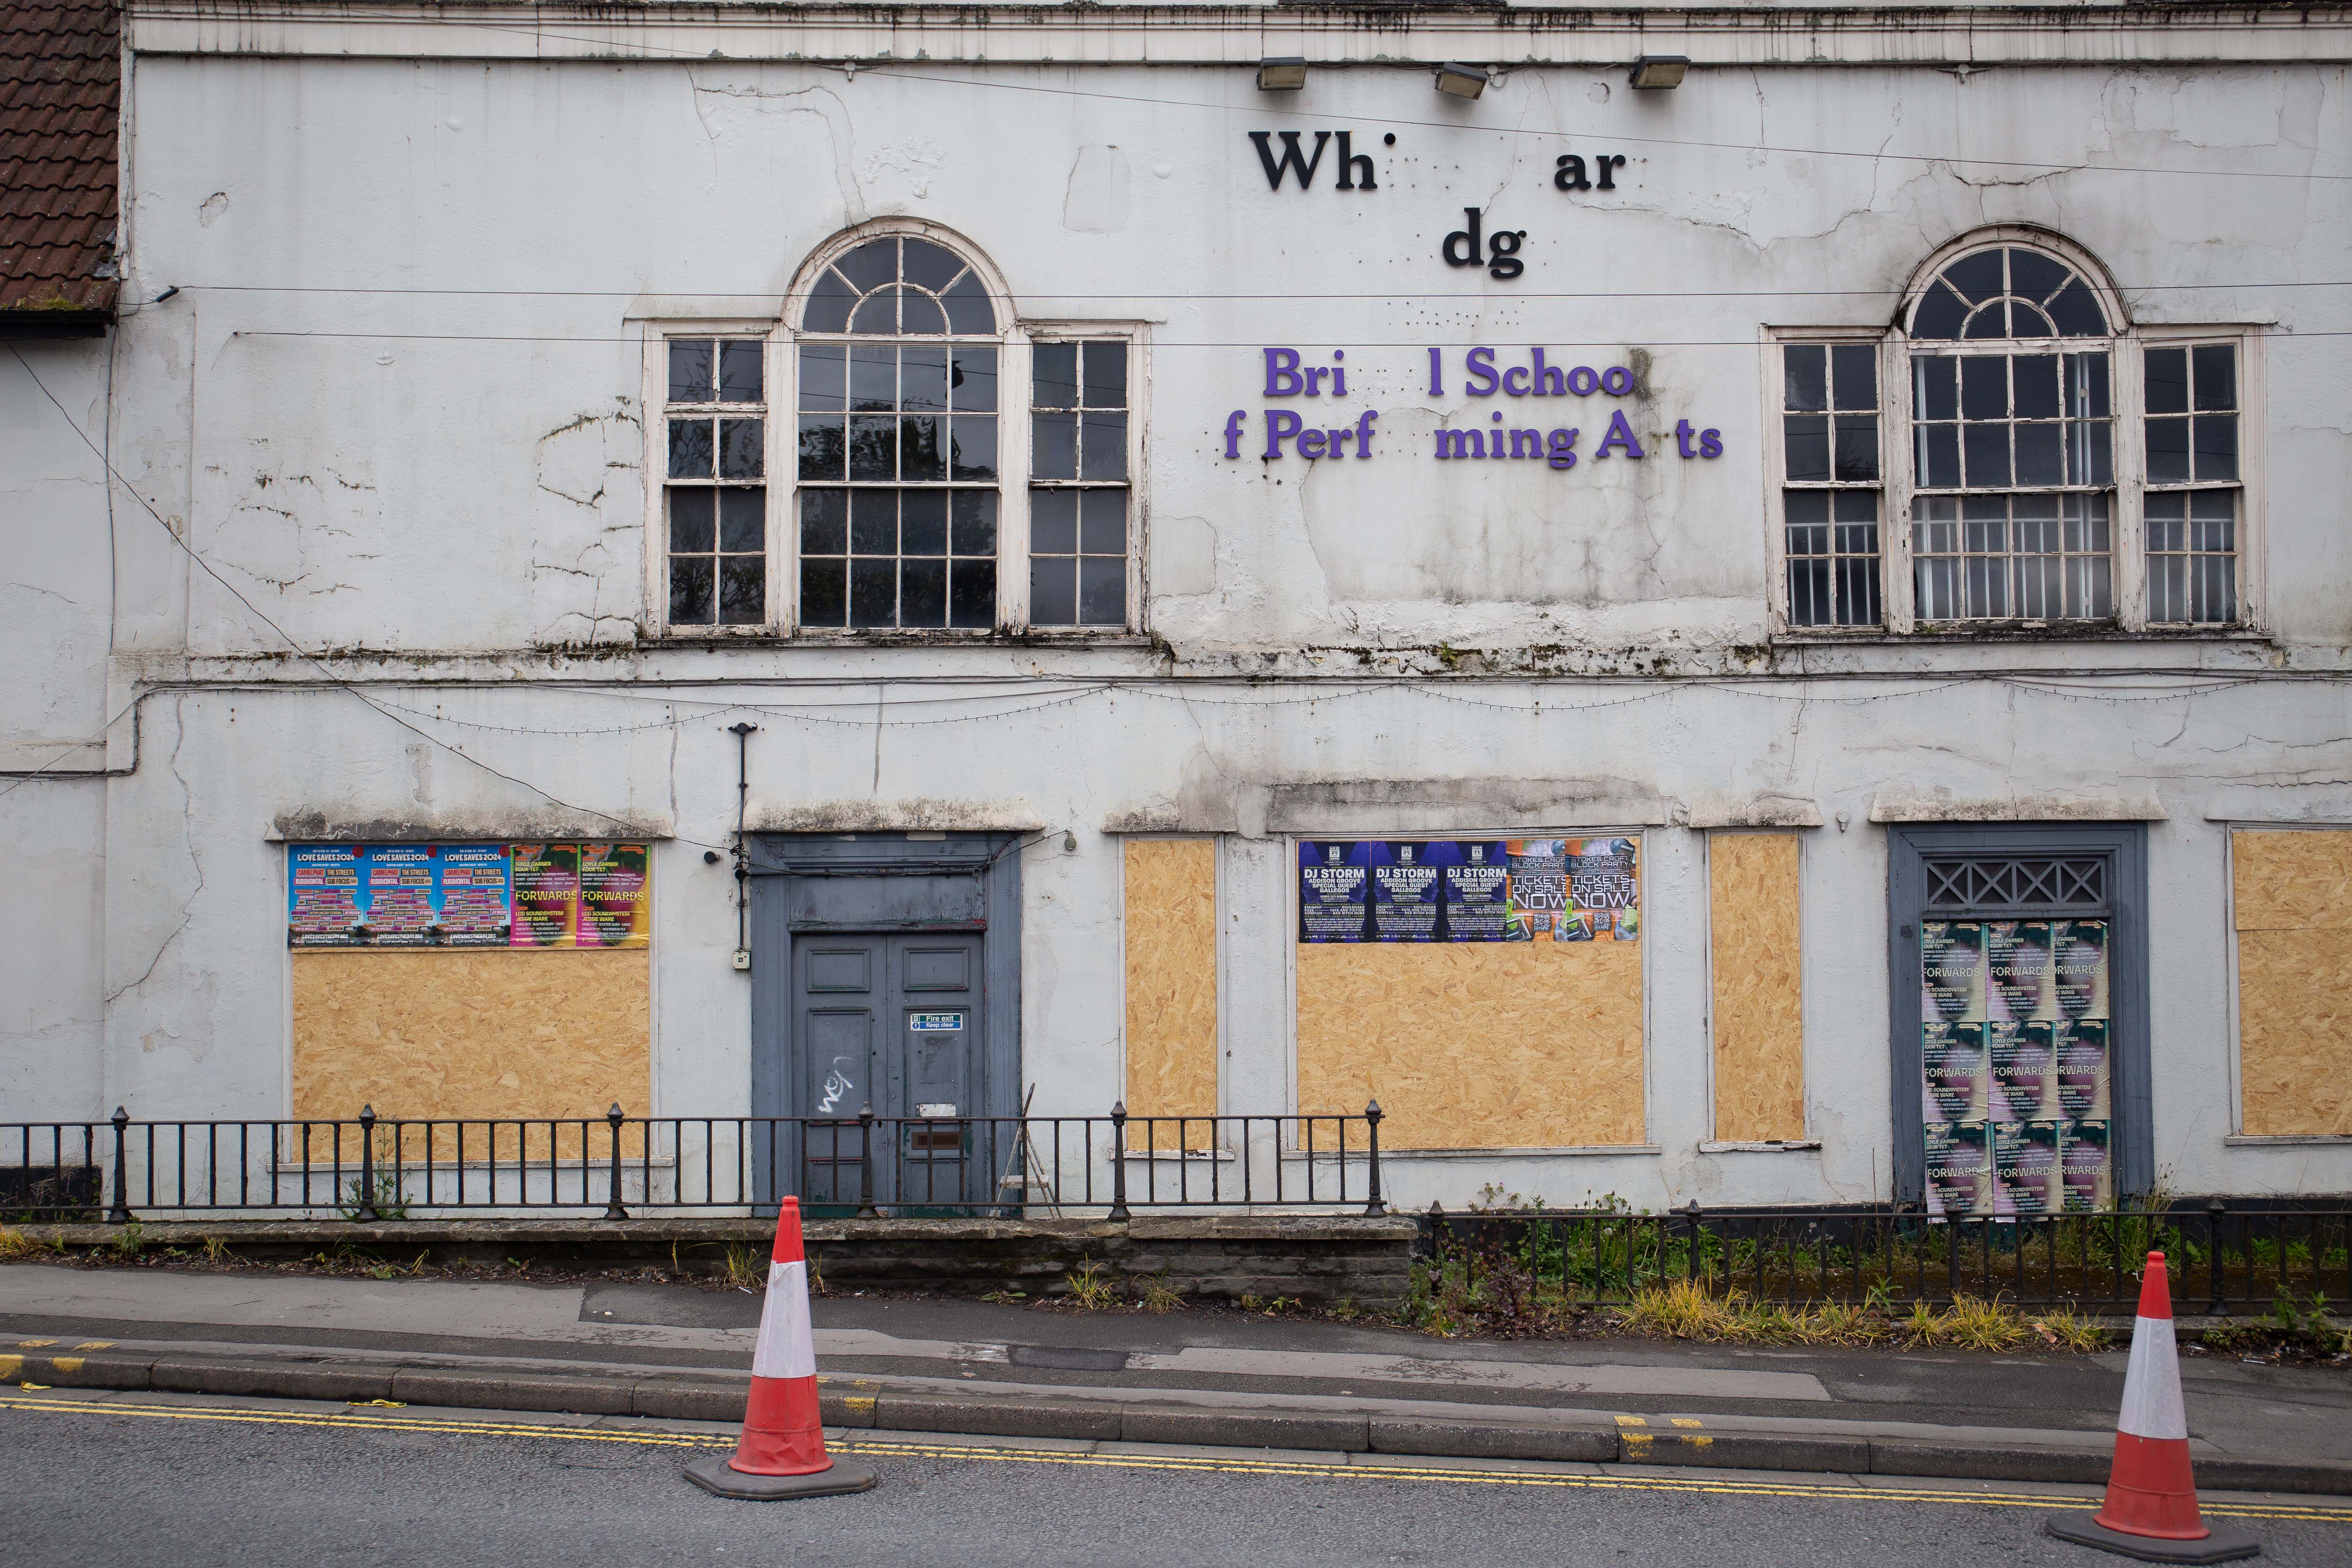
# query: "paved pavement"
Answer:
x=139 y=1478
x=932 y=1350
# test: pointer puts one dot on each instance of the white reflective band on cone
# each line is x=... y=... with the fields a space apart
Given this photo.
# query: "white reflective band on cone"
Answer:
x=788 y=1348
x=2152 y=1383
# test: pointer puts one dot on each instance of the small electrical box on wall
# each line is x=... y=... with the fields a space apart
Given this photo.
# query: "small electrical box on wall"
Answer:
x=743 y=959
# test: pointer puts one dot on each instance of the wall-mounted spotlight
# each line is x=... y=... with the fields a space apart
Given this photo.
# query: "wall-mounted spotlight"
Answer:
x=1659 y=70
x=1281 y=73
x=1462 y=81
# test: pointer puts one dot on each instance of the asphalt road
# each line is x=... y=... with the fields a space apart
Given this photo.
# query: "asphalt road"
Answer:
x=191 y=1483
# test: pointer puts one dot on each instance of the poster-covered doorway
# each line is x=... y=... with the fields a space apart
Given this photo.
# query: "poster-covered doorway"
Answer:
x=2019 y=1021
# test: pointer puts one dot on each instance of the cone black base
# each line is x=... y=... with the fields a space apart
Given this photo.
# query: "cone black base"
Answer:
x=713 y=1476
x=2226 y=1544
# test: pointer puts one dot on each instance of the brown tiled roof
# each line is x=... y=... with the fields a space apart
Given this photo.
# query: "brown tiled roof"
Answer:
x=60 y=87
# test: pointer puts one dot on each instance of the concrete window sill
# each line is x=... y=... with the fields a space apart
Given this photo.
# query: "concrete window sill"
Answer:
x=1761 y=1146
x=2286 y=1140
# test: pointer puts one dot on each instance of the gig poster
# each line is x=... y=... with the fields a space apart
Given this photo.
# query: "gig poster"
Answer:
x=546 y=894
x=615 y=908
x=1952 y=970
x=404 y=883
x=1405 y=895
x=323 y=895
x=2018 y=980
x=1959 y=1169
x=477 y=909
x=1957 y=1085
x=1334 y=885
x=2081 y=1049
x=2079 y=958
x=1446 y=890
x=2025 y=1081
x=2025 y=1161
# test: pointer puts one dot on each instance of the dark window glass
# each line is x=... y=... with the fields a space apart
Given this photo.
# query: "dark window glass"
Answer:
x=742 y=590
x=871 y=265
x=1856 y=375
x=974 y=380
x=923 y=592
x=872 y=448
x=689 y=449
x=2216 y=377
x=740 y=454
x=1938 y=394
x=919 y=440
x=1054 y=446
x=743 y=519
x=2167 y=381
x=2025 y=321
x=689 y=370
x=1103 y=449
x=2216 y=441
x=824 y=522
x=968 y=312
x=971 y=594
x=923 y=379
x=971 y=453
x=928 y=265
x=1978 y=278
x=822 y=383
x=1102 y=590
x=1054 y=590
x=1106 y=375
x=1053 y=522
x=1938 y=456
x=2039 y=461
x=690 y=527
x=1984 y=387
x=1857 y=449
x=873 y=379
x=2168 y=451
x=690 y=578
x=1939 y=314
x=1985 y=449
x=874 y=522
x=2035 y=381
x=873 y=590
x=825 y=448
x=2035 y=276
x=920 y=315
x=740 y=374
x=1806 y=437
x=923 y=522
x=972 y=524
x=2076 y=312
x=1056 y=375
x=1804 y=378
x=1988 y=322
x=824 y=592
x=829 y=304
x=1102 y=523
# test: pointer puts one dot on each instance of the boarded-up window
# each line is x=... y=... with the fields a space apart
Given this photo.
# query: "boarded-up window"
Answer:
x=1172 y=977
x=1758 y=1004
x=473 y=1033
x=1487 y=993
x=2292 y=896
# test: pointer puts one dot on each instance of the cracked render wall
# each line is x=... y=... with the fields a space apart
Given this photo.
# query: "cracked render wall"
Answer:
x=436 y=476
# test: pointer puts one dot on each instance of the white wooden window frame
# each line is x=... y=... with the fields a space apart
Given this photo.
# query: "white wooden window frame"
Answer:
x=2126 y=343
x=653 y=400
x=1135 y=335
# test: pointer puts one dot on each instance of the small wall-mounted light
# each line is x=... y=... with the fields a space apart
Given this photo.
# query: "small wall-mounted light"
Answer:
x=1281 y=73
x=1462 y=81
x=1659 y=70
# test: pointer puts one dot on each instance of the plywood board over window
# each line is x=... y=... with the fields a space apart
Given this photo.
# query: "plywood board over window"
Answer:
x=1759 y=986
x=1475 y=1045
x=1172 y=977
x=473 y=1033
x=2292 y=895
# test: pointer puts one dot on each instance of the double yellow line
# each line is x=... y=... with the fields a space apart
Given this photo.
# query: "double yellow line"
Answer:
x=366 y=1418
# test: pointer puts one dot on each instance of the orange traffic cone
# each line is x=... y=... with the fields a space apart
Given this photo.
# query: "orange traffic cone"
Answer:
x=2151 y=1507
x=782 y=1451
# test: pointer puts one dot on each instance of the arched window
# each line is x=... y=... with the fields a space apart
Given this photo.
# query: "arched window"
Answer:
x=2012 y=411
x=1992 y=422
x=897 y=445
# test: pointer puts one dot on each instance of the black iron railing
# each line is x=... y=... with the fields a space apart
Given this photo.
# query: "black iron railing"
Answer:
x=2223 y=1258
x=377 y=1168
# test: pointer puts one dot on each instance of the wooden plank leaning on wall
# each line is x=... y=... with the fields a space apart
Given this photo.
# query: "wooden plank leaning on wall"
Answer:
x=1171 y=926
x=1758 y=1004
x=2293 y=901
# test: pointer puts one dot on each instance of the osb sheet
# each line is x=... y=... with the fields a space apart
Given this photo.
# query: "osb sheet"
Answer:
x=1474 y=1045
x=2291 y=881
x=1760 y=1022
x=2294 y=1030
x=474 y=1034
x=1172 y=977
